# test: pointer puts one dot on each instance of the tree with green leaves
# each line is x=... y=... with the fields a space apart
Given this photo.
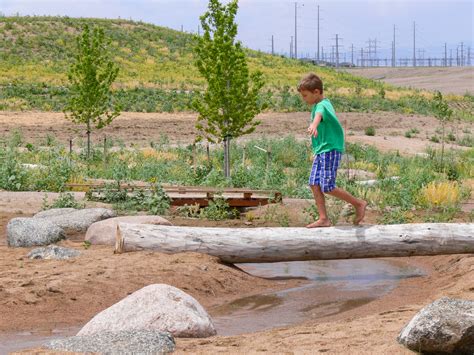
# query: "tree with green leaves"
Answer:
x=444 y=114
x=228 y=107
x=91 y=76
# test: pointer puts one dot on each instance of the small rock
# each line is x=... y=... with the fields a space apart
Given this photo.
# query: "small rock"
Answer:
x=444 y=326
x=53 y=252
x=122 y=342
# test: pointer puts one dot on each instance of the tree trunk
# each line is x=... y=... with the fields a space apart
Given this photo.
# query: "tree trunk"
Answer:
x=245 y=245
x=88 y=140
x=227 y=157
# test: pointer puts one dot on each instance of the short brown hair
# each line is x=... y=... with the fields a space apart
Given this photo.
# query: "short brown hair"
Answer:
x=311 y=82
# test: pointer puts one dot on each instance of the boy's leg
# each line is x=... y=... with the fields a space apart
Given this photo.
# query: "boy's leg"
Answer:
x=359 y=205
x=320 y=200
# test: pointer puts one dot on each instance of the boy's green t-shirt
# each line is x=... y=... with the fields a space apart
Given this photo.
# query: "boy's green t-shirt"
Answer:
x=330 y=132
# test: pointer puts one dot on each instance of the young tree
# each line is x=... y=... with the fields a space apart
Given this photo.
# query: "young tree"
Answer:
x=443 y=113
x=91 y=76
x=228 y=107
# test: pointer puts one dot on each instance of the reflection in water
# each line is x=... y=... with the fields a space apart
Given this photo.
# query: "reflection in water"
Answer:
x=336 y=286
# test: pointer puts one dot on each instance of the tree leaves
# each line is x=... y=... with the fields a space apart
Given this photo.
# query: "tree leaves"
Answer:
x=230 y=103
x=91 y=76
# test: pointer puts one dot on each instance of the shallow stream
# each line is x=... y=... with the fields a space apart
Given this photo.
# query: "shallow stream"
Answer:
x=334 y=286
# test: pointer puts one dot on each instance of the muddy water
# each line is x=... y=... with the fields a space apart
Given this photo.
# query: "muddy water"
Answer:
x=334 y=286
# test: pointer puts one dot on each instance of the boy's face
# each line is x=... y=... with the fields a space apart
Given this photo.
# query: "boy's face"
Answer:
x=311 y=97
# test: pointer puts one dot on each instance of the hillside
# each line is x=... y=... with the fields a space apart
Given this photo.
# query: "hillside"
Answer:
x=157 y=71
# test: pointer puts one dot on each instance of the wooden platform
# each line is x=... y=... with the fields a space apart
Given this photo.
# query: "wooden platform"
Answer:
x=189 y=195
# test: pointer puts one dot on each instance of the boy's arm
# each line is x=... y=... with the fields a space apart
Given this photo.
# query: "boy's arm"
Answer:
x=313 y=127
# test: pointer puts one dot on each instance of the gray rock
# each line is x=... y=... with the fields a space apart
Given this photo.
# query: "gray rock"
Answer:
x=53 y=252
x=77 y=221
x=444 y=326
x=123 y=342
x=54 y=212
x=27 y=232
x=155 y=307
x=103 y=232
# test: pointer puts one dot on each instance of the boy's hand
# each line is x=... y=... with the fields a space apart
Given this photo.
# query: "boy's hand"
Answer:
x=313 y=130
x=313 y=127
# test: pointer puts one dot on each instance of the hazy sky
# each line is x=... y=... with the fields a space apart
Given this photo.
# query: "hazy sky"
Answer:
x=355 y=21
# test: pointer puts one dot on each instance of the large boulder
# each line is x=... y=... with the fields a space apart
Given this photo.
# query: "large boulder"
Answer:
x=28 y=232
x=53 y=252
x=75 y=221
x=103 y=232
x=444 y=326
x=123 y=342
x=155 y=307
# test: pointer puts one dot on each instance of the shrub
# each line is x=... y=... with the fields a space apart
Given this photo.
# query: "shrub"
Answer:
x=64 y=200
x=370 y=131
x=440 y=194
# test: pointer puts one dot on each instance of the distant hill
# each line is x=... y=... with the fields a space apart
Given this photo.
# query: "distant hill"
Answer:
x=157 y=71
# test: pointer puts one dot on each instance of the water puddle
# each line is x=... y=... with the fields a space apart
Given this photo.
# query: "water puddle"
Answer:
x=335 y=286
x=24 y=340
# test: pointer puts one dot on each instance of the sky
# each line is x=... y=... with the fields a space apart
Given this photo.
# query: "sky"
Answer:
x=355 y=22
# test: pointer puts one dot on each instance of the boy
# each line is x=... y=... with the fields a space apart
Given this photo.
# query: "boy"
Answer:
x=327 y=139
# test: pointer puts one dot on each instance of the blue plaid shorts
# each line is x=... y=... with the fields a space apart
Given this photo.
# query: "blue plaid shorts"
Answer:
x=324 y=170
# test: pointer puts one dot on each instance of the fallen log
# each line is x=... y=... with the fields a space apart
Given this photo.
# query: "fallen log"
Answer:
x=246 y=245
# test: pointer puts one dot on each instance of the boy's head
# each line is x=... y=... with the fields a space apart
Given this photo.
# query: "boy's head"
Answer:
x=311 y=88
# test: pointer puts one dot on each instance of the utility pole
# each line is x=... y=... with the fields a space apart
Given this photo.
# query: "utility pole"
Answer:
x=445 y=54
x=450 y=57
x=362 y=57
x=291 y=47
x=352 y=53
x=273 y=47
x=375 y=53
x=318 y=35
x=296 y=30
x=414 y=41
x=337 y=51
x=462 y=54
x=469 y=56
x=393 y=48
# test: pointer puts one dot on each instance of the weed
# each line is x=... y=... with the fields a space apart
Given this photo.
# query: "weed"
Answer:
x=189 y=211
x=218 y=209
x=370 y=131
x=440 y=194
x=64 y=200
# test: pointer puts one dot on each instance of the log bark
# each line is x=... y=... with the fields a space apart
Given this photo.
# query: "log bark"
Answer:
x=245 y=245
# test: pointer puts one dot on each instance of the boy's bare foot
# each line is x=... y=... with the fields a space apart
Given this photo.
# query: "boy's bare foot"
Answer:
x=320 y=223
x=360 y=212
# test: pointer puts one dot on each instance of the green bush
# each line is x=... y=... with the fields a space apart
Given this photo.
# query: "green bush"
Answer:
x=369 y=131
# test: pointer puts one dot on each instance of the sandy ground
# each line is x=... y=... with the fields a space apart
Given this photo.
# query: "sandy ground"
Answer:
x=45 y=295
x=53 y=294
x=139 y=129
x=455 y=80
